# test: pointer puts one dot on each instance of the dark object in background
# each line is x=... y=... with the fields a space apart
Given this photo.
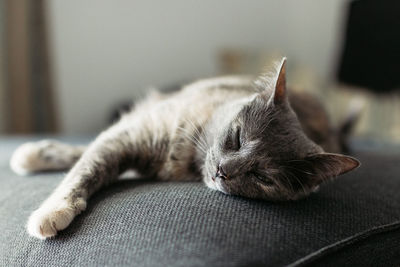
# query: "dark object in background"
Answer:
x=120 y=109
x=371 y=54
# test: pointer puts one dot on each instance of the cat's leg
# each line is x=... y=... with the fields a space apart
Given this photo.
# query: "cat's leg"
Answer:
x=46 y=155
x=114 y=151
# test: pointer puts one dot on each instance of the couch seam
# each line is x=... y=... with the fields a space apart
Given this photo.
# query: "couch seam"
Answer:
x=324 y=251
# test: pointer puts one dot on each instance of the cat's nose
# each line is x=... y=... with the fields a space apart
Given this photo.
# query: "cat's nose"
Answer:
x=221 y=173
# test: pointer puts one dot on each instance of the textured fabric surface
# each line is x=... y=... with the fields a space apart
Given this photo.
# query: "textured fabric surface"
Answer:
x=141 y=223
x=380 y=249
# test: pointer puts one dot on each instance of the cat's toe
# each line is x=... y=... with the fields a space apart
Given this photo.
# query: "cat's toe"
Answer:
x=25 y=159
x=44 y=224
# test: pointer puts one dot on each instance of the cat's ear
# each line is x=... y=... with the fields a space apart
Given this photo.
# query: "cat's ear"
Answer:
x=321 y=167
x=280 y=95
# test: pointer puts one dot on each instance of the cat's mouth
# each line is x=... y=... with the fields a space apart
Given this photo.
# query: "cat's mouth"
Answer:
x=220 y=185
x=220 y=173
x=219 y=179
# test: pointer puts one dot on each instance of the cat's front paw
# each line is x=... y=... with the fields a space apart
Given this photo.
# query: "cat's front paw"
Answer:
x=45 y=222
x=25 y=158
x=41 y=156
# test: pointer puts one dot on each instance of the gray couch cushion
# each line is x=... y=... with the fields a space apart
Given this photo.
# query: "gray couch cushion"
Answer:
x=353 y=220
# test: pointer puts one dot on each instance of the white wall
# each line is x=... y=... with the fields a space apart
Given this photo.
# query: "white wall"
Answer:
x=108 y=50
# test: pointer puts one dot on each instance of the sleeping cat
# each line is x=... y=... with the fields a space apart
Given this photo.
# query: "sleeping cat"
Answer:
x=239 y=136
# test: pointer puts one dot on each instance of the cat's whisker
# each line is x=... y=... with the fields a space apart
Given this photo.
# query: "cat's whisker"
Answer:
x=185 y=143
x=198 y=134
x=288 y=181
x=195 y=129
x=203 y=133
x=192 y=138
x=194 y=142
x=302 y=185
x=297 y=179
x=300 y=170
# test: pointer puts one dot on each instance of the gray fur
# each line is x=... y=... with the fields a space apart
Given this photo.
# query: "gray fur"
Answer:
x=240 y=137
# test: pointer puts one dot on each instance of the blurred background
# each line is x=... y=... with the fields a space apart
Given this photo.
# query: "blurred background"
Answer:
x=66 y=66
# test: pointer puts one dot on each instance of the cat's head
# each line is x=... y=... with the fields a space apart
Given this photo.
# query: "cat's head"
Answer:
x=261 y=151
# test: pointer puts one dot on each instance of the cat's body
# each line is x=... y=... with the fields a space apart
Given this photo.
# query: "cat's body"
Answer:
x=226 y=131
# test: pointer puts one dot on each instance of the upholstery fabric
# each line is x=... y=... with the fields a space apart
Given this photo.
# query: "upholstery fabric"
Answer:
x=351 y=221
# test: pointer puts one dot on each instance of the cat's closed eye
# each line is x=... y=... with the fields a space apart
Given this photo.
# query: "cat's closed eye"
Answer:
x=233 y=141
x=263 y=179
x=237 y=140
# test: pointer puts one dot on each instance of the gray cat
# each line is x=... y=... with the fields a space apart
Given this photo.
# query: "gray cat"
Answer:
x=242 y=138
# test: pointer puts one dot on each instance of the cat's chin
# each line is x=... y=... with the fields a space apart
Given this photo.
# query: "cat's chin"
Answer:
x=215 y=185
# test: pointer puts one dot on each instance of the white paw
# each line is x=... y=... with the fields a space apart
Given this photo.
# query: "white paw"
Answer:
x=37 y=156
x=25 y=159
x=45 y=222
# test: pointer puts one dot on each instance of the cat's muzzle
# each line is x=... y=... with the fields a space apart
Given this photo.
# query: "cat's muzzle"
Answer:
x=221 y=173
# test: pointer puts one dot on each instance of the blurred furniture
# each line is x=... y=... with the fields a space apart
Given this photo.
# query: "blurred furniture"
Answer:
x=370 y=68
x=29 y=105
x=371 y=53
x=353 y=221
